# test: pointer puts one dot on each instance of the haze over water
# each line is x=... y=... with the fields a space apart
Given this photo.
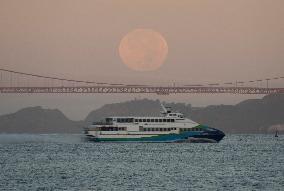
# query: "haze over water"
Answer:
x=67 y=162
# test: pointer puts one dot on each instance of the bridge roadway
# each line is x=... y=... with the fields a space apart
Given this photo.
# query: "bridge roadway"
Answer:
x=140 y=89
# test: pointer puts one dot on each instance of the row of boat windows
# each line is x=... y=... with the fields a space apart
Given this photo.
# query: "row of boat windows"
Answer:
x=170 y=129
x=131 y=120
x=190 y=129
x=146 y=129
x=159 y=129
x=111 y=129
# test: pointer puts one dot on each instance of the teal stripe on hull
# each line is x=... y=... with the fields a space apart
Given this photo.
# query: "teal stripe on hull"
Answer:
x=155 y=138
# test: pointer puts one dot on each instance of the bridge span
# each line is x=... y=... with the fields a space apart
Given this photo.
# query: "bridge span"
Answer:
x=26 y=83
x=140 y=90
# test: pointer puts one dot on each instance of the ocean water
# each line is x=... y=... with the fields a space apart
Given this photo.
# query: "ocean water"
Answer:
x=67 y=162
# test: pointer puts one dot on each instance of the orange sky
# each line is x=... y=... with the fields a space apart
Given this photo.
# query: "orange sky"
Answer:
x=209 y=41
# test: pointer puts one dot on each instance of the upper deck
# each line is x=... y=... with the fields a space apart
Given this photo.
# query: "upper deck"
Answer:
x=166 y=117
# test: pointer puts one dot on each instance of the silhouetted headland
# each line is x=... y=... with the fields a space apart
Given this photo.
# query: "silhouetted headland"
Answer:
x=250 y=116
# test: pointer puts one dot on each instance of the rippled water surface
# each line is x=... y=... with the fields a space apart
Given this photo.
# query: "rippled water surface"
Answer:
x=67 y=162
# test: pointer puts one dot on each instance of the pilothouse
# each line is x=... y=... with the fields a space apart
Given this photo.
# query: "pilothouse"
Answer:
x=169 y=127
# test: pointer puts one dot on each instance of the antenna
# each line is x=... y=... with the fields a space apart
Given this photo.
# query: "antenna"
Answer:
x=164 y=109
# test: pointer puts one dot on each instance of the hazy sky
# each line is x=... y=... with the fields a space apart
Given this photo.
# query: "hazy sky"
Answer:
x=208 y=40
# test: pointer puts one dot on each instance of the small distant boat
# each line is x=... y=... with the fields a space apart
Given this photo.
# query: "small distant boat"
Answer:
x=276 y=133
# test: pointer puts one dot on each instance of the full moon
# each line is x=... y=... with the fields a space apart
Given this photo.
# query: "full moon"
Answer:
x=143 y=50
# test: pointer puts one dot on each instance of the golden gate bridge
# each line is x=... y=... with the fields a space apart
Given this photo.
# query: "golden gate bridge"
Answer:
x=22 y=83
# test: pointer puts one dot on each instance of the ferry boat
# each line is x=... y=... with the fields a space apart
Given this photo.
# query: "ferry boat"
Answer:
x=169 y=127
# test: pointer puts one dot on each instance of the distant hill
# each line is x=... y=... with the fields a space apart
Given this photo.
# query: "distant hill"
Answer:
x=250 y=116
x=143 y=107
x=38 y=120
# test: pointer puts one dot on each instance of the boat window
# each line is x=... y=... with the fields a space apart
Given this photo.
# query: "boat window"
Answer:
x=160 y=120
x=152 y=120
x=168 y=120
x=161 y=129
x=136 y=120
x=156 y=120
x=140 y=120
x=172 y=120
x=108 y=120
x=164 y=120
x=148 y=120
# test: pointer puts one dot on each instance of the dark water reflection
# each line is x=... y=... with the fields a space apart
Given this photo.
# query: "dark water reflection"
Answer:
x=66 y=162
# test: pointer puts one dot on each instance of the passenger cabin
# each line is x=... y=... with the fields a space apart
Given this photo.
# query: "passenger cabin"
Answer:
x=170 y=119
